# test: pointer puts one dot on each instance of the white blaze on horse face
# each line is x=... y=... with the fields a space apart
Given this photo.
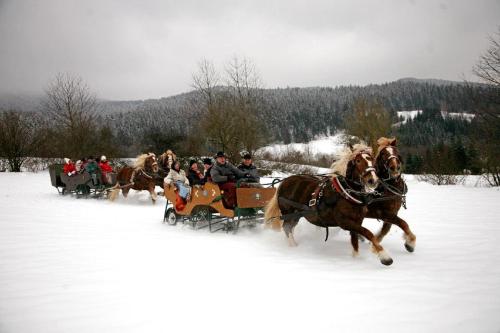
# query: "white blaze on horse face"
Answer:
x=372 y=172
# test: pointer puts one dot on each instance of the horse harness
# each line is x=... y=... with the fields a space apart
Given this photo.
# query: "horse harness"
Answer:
x=339 y=185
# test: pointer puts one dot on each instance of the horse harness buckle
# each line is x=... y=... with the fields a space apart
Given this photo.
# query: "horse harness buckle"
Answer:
x=317 y=194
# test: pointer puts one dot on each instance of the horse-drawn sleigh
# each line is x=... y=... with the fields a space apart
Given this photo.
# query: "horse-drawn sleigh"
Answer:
x=81 y=184
x=205 y=208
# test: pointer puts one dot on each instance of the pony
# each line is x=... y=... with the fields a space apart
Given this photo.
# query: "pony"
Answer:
x=139 y=177
x=388 y=164
x=338 y=201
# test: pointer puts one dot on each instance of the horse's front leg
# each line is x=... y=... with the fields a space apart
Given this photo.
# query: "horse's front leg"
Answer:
x=409 y=237
x=376 y=247
x=152 y=192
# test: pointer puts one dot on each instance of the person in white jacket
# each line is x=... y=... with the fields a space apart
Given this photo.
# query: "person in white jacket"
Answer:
x=177 y=177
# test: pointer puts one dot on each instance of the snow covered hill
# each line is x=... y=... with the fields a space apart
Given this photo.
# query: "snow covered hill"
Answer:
x=86 y=265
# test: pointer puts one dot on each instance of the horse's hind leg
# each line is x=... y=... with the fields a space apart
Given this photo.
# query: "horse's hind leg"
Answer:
x=383 y=232
x=354 y=243
x=125 y=192
x=288 y=226
x=376 y=247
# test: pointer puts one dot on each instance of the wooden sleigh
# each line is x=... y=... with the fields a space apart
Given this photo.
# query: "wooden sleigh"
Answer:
x=206 y=209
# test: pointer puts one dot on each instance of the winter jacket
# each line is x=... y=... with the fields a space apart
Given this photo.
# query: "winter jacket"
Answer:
x=174 y=176
x=69 y=169
x=194 y=178
x=252 y=171
x=222 y=173
x=105 y=167
x=91 y=167
x=207 y=177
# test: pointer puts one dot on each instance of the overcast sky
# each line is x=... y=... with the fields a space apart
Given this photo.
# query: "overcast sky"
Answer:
x=149 y=49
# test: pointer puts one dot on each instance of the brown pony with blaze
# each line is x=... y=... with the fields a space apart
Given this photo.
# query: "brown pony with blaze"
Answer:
x=389 y=164
x=139 y=177
x=292 y=200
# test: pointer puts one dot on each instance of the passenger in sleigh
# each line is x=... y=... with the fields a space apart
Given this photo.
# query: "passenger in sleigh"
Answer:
x=177 y=178
x=69 y=167
x=194 y=176
x=252 y=178
x=106 y=169
x=93 y=169
x=225 y=175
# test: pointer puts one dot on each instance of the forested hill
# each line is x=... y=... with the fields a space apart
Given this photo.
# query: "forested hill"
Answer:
x=296 y=114
x=289 y=114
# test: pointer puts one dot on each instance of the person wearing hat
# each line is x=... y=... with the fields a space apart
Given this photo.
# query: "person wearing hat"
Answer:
x=252 y=176
x=69 y=167
x=225 y=175
x=105 y=170
x=194 y=176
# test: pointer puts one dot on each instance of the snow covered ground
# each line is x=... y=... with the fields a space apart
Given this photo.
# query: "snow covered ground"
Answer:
x=86 y=265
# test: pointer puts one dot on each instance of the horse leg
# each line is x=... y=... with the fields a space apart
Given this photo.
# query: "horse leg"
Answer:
x=153 y=193
x=409 y=237
x=385 y=259
x=354 y=243
x=383 y=232
x=288 y=226
x=125 y=191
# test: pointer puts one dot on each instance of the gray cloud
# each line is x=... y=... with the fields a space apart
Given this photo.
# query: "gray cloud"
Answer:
x=148 y=49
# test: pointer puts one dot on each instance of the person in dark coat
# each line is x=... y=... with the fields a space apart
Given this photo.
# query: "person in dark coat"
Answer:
x=207 y=166
x=194 y=176
x=250 y=170
x=225 y=175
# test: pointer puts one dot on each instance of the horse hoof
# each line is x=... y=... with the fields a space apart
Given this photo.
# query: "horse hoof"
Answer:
x=409 y=248
x=386 y=262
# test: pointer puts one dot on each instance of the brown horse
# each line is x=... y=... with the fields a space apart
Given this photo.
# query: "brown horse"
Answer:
x=140 y=177
x=393 y=188
x=329 y=202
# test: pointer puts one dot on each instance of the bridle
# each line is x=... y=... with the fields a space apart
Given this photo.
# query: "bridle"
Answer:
x=386 y=163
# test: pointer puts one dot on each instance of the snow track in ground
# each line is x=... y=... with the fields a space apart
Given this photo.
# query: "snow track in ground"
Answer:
x=84 y=265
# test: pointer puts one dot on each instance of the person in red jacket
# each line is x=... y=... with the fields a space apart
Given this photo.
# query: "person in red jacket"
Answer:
x=105 y=169
x=69 y=167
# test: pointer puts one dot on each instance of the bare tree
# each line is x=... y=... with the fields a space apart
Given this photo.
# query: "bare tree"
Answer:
x=73 y=108
x=229 y=120
x=19 y=138
x=205 y=80
x=488 y=66
x=368 y=122
x=485 y=130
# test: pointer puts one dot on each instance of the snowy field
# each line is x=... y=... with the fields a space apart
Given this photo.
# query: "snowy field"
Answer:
x=86 y=265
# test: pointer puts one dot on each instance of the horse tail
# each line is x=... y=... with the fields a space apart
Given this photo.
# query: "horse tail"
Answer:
x=272 y=214
x=114 y=191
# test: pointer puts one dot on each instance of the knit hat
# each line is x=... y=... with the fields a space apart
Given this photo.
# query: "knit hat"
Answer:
x=66 y=160
x=207 y=161
x=191 y=162
x=103 y=158
x=247 y=156
x=220 y=154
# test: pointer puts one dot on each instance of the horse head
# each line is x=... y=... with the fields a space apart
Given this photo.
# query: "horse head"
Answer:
x=361 y=167
x=151 y=163
x=388 y=159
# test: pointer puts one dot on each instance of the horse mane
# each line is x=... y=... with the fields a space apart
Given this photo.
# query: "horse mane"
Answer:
x=340 y=165
x=140 y=160
x=384 y=142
